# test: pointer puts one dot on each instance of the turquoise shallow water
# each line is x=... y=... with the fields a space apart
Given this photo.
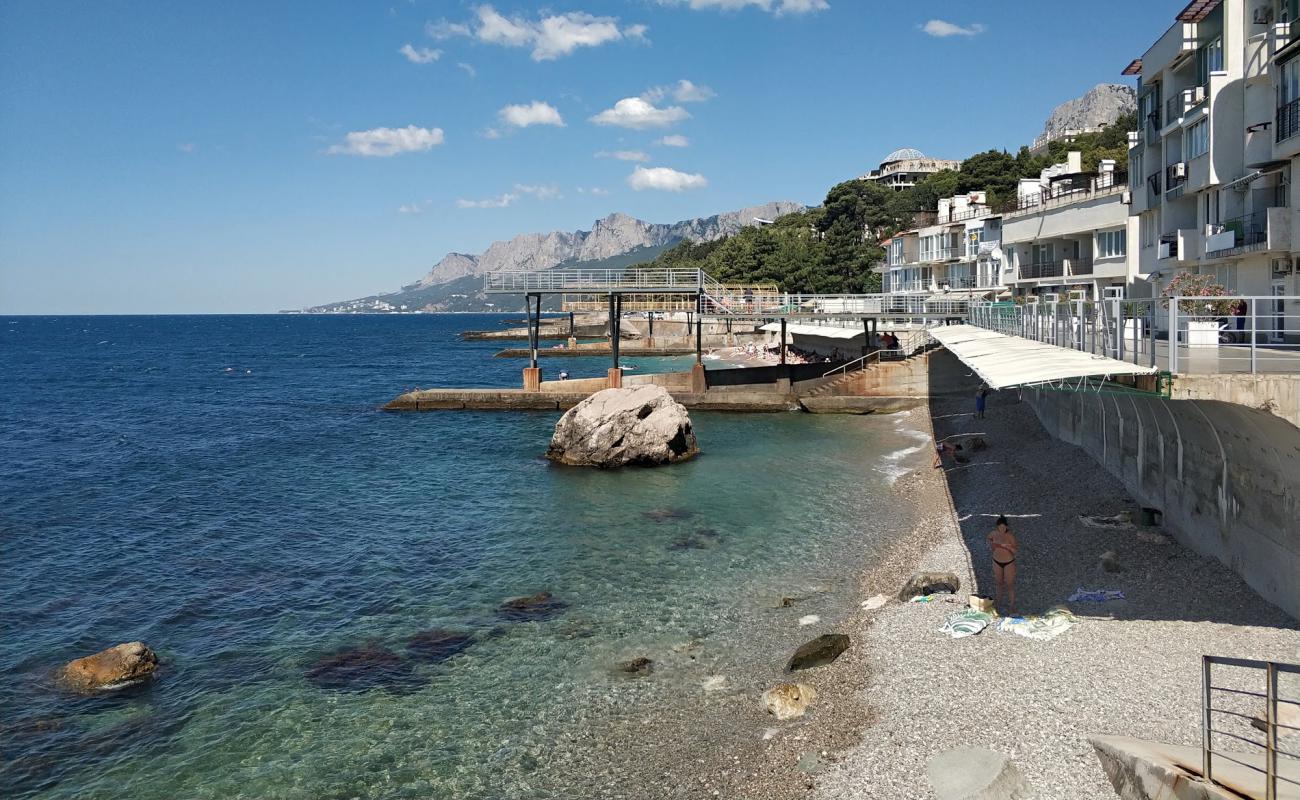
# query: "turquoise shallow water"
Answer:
x=225 y=489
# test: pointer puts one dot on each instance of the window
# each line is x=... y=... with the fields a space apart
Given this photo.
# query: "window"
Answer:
x=1198 y=139
x=1209 y=59
x=1043 y=254
x=1149 y=228
x=1210 y=207
x=1111 y=243
x=1135 y=174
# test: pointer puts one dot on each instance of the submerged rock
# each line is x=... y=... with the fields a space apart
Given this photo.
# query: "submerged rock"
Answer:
x=120 y=665
x=359 y=669
x=637 y=666
x=788 y=700
x=535 y=607
x=822 y=650
x=665 y=514
x=688 y=542
x=640 y=425
x=437 y=644
x=923 y=583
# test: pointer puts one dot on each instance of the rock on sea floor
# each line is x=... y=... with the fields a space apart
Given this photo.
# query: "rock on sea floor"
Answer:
x=788 y=700
x=820 y=651
x=638 y=425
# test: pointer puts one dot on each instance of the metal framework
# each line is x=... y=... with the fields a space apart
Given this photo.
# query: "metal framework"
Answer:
x=1271 y=670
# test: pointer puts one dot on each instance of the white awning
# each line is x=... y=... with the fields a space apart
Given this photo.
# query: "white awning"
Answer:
x=1002 y=361
x=957 y=295
x=824 y=331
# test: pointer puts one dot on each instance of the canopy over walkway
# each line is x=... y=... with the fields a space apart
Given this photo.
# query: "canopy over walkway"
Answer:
x=1004 y=361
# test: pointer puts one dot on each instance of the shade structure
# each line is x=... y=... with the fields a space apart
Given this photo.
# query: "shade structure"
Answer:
x=824 y=331
x=958 y=295
x=1003 y=361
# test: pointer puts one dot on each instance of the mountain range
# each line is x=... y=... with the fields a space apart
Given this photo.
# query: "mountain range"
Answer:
x=616 y=238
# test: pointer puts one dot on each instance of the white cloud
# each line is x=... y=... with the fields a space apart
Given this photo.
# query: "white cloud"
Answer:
x=187 y=147
x=780 y=8
x=636 y=112
x=423 y=55
x=665 y=179
x=546 y=192
x=674 y=140
x=469 y=69
x=490 y=133
x=941 y=29
x=683 y=91
x=534 y=113
x=550 y=36
x=624 y=155
x=383 y=142
x=595 y=190
x=413 y=208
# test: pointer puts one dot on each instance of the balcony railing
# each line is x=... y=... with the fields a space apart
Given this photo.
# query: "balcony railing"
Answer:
x=1064 y=192
x=941 y=254
x=1174 y=107
x=1059 y=268
x=1248 y=230
x=1288 y=120
x=1153 y=126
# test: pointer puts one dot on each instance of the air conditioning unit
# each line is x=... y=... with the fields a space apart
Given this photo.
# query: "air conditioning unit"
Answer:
x=1180 y=169
x=1198 y=95
x=1052 y=297
x=1126 y=198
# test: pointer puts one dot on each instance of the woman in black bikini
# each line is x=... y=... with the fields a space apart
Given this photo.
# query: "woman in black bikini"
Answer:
x=1004 y=545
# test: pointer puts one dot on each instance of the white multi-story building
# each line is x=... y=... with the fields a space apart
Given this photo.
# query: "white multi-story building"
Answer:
x=954 y=258
x=1211 y=168
x=1068 y=232
x=906 y=167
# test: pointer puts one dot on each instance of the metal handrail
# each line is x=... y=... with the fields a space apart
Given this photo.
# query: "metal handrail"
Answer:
x=873 y=354
x=1271 y=724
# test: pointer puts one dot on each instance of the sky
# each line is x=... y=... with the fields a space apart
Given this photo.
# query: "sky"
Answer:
x=256 y=156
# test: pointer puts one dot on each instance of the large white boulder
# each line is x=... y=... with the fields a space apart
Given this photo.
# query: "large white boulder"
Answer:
x=616 y=427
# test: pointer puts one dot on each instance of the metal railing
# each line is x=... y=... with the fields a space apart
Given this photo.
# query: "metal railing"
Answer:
x=1070 y=191
x=1288 y=120
x=1236 y=710
x=862 y=363
x=1061 y=267
x=1250 y=230
x=941 y=254
x=1183 y=335
x=596 y=280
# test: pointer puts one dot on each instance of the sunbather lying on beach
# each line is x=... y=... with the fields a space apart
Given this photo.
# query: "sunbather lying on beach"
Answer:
x=1004 y=545
x=944 y=449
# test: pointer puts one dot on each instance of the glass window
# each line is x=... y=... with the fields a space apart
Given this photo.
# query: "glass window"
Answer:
x=1198 y=139
x=1209 y=59
x=1111 y=243
x=1289 y=85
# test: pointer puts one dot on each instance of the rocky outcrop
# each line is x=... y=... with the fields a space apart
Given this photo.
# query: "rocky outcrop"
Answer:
x=923 y=583
x=438 y=644
x=540 y=606
x=1102 y=105
x=359 y=669
x=974 y=773
x=638 y=425
x=788 y=700
x=820 y=651
x=117 y=666
x=612 y=236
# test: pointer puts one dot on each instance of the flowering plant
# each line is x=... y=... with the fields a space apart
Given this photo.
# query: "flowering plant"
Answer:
x=1186 y=285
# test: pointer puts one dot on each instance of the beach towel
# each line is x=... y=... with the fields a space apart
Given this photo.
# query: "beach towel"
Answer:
x=931 y=598
x=1049 y=626
x=1095 y=595
x=966 y=623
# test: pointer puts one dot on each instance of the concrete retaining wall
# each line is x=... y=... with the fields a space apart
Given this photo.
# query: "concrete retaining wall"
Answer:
x=1226 y=476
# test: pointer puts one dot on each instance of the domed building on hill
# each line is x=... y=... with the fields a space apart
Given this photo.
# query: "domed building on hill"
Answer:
x=906 y=167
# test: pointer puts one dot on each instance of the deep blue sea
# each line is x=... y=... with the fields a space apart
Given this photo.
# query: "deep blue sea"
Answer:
x=226 y=489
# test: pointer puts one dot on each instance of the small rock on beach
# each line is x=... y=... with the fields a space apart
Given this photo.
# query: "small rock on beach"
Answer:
x=788 y=700
x=923 y=583
x=819 y=652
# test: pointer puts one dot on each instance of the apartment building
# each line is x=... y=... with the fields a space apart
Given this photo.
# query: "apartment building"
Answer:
x=906 y=167
x=1068 y=232
x=1211 y=169
x=953 y=258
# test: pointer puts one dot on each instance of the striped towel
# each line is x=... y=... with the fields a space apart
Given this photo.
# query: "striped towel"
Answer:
x=966 y=623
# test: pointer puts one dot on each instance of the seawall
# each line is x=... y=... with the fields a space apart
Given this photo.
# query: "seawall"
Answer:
x=1226 y=476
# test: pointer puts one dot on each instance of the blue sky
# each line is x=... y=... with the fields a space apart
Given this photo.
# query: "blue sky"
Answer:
x=249 y=157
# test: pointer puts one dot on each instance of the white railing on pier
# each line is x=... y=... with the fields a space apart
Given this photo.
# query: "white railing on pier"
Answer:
x=596 y=280
x=1184 y=335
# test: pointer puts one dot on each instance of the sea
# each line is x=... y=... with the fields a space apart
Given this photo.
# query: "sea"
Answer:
x=323 y=581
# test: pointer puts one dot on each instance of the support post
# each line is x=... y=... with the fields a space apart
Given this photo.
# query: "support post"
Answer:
x=866 y=335
x=1254 y=328
x=572 y=328
x=783 y=341
x=1207 y=743
x=650 y=320
x=532 y=373
x=1173 y=337
x=617 y=340
x=699 y=328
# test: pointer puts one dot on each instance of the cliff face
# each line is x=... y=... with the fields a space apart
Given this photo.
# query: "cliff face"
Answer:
x=614 y=235
x=1102 y=105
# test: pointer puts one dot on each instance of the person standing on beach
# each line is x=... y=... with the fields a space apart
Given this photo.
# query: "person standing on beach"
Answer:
x=1004 y=545
x=980 y=397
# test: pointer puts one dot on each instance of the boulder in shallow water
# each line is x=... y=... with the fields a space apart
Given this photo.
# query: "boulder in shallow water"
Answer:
x=437 y=644
x=788 y=700
x=637 y=666
x=120 y=665
x=359 y=669
x=822 y=650
x=639 y=425
x=666 y=514
x=540 y=606
x=923 y=583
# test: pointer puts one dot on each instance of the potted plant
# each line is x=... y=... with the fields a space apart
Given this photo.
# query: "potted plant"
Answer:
x=1202 y=305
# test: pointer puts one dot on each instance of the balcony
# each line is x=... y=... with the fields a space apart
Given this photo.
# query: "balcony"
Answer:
x=1070 y=191
x=1168 y=247
x=941 y=254
x=1288 y=120
x=1268 y=229
x=1059 y=268
x=1153 y=127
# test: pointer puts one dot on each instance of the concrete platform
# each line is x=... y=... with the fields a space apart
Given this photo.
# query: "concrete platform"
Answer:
x=521 y=400
x=625 y=350
x=1143 y=770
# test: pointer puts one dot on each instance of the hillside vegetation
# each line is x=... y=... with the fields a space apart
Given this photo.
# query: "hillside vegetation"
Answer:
x=830 y=249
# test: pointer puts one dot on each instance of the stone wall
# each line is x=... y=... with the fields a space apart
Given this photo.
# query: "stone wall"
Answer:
x=1225 y=475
